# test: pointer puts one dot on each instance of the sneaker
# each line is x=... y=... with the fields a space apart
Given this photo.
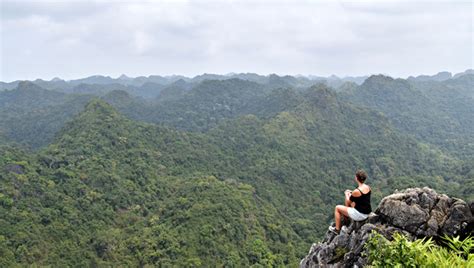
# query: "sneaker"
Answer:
x=334 y=230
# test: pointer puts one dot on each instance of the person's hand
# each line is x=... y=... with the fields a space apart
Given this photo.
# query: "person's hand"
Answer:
x=347 y=193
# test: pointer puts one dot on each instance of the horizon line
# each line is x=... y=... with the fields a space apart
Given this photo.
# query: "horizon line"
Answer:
x=230 y=74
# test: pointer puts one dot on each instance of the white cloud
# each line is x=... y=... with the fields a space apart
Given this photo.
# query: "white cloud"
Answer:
x=143 y=42
x=73 y=39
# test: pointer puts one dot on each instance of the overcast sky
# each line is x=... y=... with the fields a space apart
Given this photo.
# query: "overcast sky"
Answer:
x=73 y=39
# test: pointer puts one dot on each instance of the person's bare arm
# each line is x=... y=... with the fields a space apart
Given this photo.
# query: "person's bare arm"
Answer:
x=350 y=193
x=347 y=193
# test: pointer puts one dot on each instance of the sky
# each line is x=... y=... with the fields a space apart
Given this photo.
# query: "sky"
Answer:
x=75 y=39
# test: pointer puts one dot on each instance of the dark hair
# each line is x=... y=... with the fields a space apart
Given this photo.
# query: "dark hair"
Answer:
x=361 y=175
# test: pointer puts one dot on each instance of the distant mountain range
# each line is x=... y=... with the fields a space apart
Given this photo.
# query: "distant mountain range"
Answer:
x=294 y=81
x=137 y=83
x=441 y=76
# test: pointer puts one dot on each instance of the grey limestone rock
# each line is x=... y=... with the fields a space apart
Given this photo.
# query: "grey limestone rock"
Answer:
x=415 y=212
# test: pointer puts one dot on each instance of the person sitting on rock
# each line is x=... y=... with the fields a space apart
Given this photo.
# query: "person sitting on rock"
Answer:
x=357 y=203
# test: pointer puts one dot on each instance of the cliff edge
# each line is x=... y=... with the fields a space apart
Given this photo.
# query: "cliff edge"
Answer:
x=415 y=212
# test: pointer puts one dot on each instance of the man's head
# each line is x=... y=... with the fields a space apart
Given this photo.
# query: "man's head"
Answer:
x=361 y=175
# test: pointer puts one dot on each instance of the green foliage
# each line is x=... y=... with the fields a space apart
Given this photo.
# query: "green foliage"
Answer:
x=253 y=182
x=439 y=113
x=401 y=252
x=67 y=210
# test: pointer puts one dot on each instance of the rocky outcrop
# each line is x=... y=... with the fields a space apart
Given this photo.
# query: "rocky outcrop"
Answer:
x=415 y=212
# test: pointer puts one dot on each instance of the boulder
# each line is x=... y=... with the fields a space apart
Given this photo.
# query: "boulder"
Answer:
x=414 y=212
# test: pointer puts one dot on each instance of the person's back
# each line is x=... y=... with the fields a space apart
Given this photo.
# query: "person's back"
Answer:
x=357 y=204
x=362 y=201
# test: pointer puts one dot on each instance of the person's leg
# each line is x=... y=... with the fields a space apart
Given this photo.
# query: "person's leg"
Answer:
x=348 y=203
x=338 y=211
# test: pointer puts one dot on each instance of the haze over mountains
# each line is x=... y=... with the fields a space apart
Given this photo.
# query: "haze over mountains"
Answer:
x=234 y=170
x=144 y=81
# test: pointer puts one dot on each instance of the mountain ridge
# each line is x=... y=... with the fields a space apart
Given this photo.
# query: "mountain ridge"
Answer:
x=138 y=81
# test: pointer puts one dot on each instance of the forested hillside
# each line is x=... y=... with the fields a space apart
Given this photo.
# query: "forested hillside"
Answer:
x=439 y=113
x=214 y=172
